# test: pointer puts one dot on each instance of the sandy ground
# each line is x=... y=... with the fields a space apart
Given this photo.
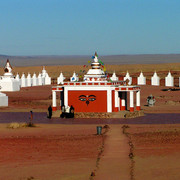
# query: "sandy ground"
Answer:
x=166 y=101
x=48 y=152
x=63 y=152
x=133 y=69
x=71 y=151
x=30 y=98
x=156 y=151
x=75 y=151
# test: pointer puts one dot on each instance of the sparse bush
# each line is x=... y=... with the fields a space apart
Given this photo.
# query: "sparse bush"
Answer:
x=15 y=125
x=125 y=126
x=106 y=126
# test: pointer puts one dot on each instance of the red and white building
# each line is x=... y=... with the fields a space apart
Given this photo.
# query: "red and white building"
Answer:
x=96 y=93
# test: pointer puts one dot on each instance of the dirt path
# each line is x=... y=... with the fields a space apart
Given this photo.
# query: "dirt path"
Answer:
x=114 y=163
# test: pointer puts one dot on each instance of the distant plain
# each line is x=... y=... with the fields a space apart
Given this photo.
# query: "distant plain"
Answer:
x=148 y=63
x=81 y=60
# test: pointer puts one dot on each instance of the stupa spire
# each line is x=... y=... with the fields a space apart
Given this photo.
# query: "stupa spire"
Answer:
x=95 y=55
x=8 y=67
x=96 y=58
x=95 y=73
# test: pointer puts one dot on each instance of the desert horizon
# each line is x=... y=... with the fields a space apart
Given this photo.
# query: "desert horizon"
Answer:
x=50 y=60
x=134 y=64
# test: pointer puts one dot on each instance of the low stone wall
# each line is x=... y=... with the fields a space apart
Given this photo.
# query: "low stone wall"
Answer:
x=92 y=115
x=120 y=114
x=134 y=114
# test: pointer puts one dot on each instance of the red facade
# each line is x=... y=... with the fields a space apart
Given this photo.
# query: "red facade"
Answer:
x=88 y=101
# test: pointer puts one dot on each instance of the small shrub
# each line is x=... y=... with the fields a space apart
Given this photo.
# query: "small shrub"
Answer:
x=131 y=155
x=106 y=126
x=125 y=126
x=15 y=125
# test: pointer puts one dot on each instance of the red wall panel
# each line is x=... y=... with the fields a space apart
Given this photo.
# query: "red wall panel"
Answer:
x=113 y=101
x=98 y=105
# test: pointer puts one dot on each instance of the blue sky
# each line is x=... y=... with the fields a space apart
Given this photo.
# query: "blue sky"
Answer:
x=79 y=27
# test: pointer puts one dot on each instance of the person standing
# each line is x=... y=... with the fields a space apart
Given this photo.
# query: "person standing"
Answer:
x=31 y=117
x=50 y=112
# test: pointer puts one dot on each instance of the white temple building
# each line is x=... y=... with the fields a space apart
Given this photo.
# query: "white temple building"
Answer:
x=95 y=93
x=141 y=80
x=74 y=77
x=34 y=80
x=127 y=77
x=114 y=77
x=60 y=79
x=23 y=80
x=29 y=80
x=8 y=81
x=169 y=80
x=155 y=79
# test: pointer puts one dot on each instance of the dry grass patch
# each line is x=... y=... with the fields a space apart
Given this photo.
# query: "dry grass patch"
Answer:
x=15 y=125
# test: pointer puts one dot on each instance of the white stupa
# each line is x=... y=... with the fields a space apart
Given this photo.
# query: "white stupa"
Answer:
x=40 y=83
x=18 y=79
x=155 y=79
x=74 y=77
x=34 y=80
x=127 y=77
x=46 y=80
x=17 y=76
x=8 y=81
x=95 y=74
x=141 y=80
x=29 y=80
x=44 y=72
x=3 y=100
x=169 y=80
x=114 y=77
x=23 y=81
x=60 y=79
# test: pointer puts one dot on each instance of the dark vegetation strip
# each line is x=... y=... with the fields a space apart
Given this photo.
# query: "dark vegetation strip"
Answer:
x=93 y=173
x=131 y=151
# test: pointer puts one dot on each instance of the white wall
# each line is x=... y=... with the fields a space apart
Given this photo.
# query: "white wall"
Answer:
x=3 y=99
x=9 y=84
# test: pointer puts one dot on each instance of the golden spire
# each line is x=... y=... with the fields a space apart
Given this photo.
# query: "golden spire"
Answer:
x=95 y=54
